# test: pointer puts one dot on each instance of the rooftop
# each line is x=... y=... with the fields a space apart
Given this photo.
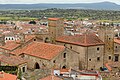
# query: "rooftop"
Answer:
x=10 y=45
x=117 y=40
x=6 y=76
x=53 y=19
x=41 y=50
x=12 y=60
x=82 y=40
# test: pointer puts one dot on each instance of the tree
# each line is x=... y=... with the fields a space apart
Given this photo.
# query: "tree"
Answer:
x=20 y=74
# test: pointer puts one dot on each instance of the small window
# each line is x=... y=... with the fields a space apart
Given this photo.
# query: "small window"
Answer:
x=64 y=67
x=6 y=38
x=54 y=61
x=116 y=46
x=12 y=38
x=109 y=48
x=23 y=69
x=109 y=57
x=98 y=49
x=70 y=47
x=9 y=38
x=98 y=58
x=89 y=59
x=64 y=44
x=34 y=39
x=64 y=55
x=109 y=38
x=91 y=68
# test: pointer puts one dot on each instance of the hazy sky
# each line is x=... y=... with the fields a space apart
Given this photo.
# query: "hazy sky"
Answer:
x=53 y=1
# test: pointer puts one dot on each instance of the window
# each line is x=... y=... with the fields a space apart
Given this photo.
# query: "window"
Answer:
x=54 y=61
x=98 y=49
x=89 y=59
x=109 y=38
x=70 y=47
x=109 y=57
x=64 y=44
x=64 y=67
x=6 y=38
x=23 y=69
x=64 y=55
x=34 y=39
x=12 y=38
x=116 y=46
x=98 y=58
x=9 y=38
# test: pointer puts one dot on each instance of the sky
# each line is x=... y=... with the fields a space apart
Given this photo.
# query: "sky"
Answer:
x=53 y=1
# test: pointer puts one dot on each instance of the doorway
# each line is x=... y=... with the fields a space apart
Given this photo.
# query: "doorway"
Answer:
x=37 y=66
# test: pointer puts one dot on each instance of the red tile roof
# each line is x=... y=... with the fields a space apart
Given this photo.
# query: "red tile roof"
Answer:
x=82 y=40
x=64 y=70
x=117 y=40
x=51 y=78
x=53 y=19
x=12 y=60
x=41 y=50
x=6 y=76
x=10 y=45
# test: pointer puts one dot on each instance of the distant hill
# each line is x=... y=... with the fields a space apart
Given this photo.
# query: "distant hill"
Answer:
x=96 y=6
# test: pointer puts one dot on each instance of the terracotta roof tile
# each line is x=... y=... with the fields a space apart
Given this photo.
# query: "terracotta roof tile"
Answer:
x=10 y=45
x=117 y=40
x=6 y=76
x=53 y=19
x=82 y=40
x=41 y=50
x=12 y=60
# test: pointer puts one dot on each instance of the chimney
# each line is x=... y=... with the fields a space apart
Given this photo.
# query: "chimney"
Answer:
x=2 y=74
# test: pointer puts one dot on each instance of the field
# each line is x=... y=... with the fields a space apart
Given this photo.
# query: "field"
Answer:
x=17 y=18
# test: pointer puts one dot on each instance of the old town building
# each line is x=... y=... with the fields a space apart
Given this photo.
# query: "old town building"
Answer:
x=56 y=28
x=89 y=47
x=45 y=55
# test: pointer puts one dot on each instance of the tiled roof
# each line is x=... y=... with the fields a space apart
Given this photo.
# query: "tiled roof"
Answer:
x=6 y=76
x=29 y=37
x=50 y=77
x=82 y=40
x=53 y=19
x=10 y=45
x=117 y=40
x=12 y=60
x=41 y=50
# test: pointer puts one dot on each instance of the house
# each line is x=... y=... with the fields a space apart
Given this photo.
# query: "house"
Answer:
x=19 y=62
x=45 y=55
x=89 y=47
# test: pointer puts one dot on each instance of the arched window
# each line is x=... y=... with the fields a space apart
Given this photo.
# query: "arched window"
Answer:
x=46 y=39
x=64 y=67
x=37 y=66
